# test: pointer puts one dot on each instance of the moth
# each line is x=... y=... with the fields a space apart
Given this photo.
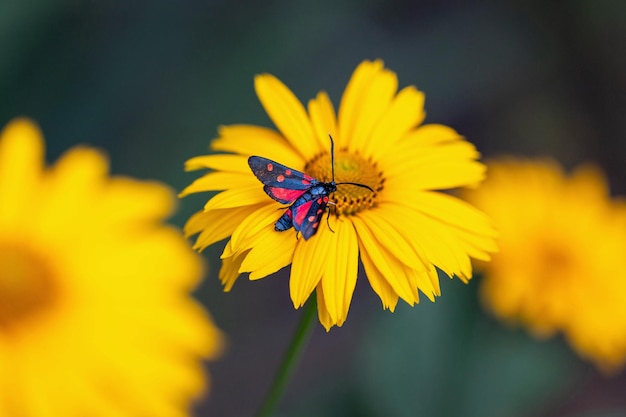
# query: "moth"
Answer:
x=307 y=197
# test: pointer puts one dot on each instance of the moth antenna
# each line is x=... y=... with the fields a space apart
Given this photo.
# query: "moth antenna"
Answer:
x=332 y=156
x=358 y=185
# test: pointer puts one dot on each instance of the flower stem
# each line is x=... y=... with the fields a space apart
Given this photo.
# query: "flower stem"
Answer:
x=291 y=358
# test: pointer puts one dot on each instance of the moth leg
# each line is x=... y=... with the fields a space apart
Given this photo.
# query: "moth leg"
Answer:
x=330 y=203
x=328 y=220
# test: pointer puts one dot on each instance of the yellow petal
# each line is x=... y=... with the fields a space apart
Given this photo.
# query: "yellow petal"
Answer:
x=287 y=113
x=339 y=276
x=390 y=238
x=391 y=233
x=229 y=272
x=428 y=142
x=433 y=134
x=477 y=247
x=215 y=225
x=350 y=105
x=75 y=188
x=199 y=221
x=238 y=197
x=404 y=113
x=40 y=401
x=156 y=201
x=270 y=252
x=257 y=221
x=414 y=277
x=589 y=183
x=438 y=168
x=431 y=239
x=308 y=263
x=368 y=95
x=21 y=163
x=322 y=311
x=261 y=141
x=220 y=181
x=87 y=394
x=433 y=276
x=470 y=226
x=452 y=211
x=385 y=261
x=323 y=119
x=379 y=284
x=227 y=163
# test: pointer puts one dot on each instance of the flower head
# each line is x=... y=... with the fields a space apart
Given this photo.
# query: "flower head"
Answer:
x=401 y=231
x=95 y=317
x=562 y=244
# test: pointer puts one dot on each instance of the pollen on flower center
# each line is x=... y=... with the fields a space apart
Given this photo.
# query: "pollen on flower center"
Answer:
x=349 y=167
x=27 y=285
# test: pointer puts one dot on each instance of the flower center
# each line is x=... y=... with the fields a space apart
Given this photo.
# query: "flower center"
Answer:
x=556 y=264
x=349 y=167
x=27 y=286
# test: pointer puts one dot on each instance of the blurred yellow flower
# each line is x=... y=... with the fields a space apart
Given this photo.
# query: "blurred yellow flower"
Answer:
x=95 y=317
x=401 y=232
x=562 y=255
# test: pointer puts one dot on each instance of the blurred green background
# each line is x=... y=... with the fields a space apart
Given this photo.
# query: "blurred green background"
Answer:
x=150 y=81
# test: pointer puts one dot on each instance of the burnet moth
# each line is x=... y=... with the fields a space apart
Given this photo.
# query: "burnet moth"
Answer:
x=306 y=196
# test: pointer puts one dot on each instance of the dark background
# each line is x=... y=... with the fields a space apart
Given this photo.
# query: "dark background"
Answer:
x=150 y=81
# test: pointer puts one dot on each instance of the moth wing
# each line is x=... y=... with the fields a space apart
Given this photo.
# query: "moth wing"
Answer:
x=307 y=216
x=281 y=183
x=276 y=175
x=283 y=195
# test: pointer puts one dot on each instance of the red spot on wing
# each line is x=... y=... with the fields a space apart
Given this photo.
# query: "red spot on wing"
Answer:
x=270 y=167
x=306 y=182
x=280 y=178
x=301 y=212
x=285 y=194
x=287 y=172
x=311 y=219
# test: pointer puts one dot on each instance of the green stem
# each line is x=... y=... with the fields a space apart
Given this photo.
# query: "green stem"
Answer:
x=291 y=358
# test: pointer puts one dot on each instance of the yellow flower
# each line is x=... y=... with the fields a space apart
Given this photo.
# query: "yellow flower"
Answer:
x=400 y=232
x=95 y=317
x=561 y=260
